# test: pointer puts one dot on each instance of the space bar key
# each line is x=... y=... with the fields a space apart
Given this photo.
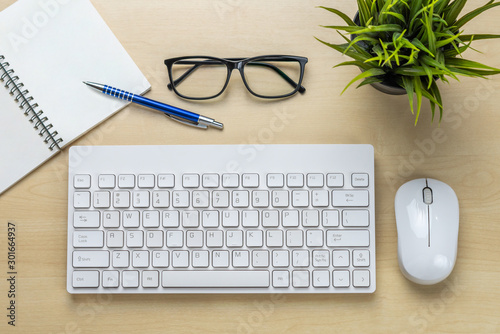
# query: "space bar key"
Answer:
x=215 y=279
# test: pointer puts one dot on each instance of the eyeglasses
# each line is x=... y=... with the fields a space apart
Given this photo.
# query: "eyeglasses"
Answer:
x=269 y=77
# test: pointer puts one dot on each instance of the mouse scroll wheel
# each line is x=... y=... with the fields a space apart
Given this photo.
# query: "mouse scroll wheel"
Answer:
x=427 y=192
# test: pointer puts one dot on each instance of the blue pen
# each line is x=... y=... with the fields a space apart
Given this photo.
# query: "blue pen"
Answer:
x=174 y=113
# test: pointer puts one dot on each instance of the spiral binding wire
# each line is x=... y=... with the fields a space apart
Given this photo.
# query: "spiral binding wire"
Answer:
x=22 y=97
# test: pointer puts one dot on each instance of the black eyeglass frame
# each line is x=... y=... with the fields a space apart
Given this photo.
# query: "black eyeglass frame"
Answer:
x=239 y=64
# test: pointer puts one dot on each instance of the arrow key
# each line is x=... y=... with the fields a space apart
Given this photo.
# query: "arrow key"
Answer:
x=361 y=278
x=341 y=278
x=321 y=278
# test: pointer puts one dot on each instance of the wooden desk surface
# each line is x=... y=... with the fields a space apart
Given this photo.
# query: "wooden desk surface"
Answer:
x=463 y=152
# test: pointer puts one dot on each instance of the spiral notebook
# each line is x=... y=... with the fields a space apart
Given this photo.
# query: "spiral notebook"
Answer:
x=47 y=48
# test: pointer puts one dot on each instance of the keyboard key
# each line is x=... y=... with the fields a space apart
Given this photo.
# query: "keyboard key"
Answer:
x=361 y=278
x=194 y=239
x=111 y=219
x=190 y=180
x=215 y=278
x=230 y=181
x=250 y=218
x=260 y=258
x=126 y=181
x=86 y=219
x=146 y=181
x=220 y=199
x=101 y=199
x=151 y=218
x=230 y=218
x=341 y=278
x=234 y=238
x=360 y=258
x=214 y=238
x=107 y=181
x=357 y=218
x=81 y=181
x=330 y=218
x=280 y=198
x=359 y=180
x=300 y=198
x=174 y=239
x=319 y=198
x=210 y=218
x=110 y=278
x=114 y=239
x=300 y=258
x=270 y=218
x=88 y=239
x=290 y=218
x=210 y=180
x=240 y=258
x=350 y=198
x=280 y=258
x=121 y=259
x=240 y=199
x=141 y=199
x=199 y=259
x=347 y=238
x=86 y=279
x=250 y=180
x=150 y=279
x=310 y=218
x=274 y=238
x=321 y=278
x=81 y=200
x=314 y=238
x=180 y=199
x=340 y=258
x=275 y=180
x=294 y=238
x=140 y=259
x=161 y=199
x=90 y=259
x=135 y=239
x=335 y=180
x=130 y=278
x=130 y=219
x=121 y=199
x=220 y=259
x=166 y=181
x=160 y=259
x=201 y=199
x=170 y=219
x=295 y=180
x=180 y=259
x=254 y=238
x=154 y=239
x=321 y=258
x=281 y=279
x=300 y=278
x=260 y=198
x=315 y=180
x=190 y=218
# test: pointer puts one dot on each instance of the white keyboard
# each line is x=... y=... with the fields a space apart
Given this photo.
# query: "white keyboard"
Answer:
x=221 y=219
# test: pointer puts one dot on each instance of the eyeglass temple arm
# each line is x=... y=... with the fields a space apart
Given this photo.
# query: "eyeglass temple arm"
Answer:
x=302 y=89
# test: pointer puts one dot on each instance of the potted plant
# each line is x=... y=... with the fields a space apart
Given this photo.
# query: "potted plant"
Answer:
x=405 y=46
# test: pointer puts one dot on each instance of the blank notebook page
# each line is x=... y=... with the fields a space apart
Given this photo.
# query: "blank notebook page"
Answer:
x=52 y=49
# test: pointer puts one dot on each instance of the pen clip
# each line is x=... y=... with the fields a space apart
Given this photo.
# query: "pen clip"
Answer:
x=186 y=122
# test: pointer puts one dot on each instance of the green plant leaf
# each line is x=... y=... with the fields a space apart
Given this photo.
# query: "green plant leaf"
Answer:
x=477 y=37
x=435 y=92
x=346 y=18
x=364 y=12
x=440 y=6
x=369 y=81
x=415 y=71
x=469 y=16
x=421 y=46
x=357 y=63
x=360 y=39
x=469 y=64
x=341 y=48
x=417 y=84
x=408 y=85
x=370 y=73
x=379 y=28
x=453 y=10
x=349 y=29
x=447 y=41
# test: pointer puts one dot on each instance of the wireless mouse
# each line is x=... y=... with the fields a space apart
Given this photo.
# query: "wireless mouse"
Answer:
x=427 y=218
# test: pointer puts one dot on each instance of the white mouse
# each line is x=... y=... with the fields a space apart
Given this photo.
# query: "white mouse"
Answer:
x=427 y=223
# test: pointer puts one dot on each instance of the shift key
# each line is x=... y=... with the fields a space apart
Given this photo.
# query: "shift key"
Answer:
x=347 y=238
x=90 y=259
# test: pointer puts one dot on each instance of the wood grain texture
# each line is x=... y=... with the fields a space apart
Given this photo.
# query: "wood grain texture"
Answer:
x=463 y=151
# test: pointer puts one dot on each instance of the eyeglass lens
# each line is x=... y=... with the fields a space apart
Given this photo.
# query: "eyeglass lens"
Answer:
x=205 y=77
